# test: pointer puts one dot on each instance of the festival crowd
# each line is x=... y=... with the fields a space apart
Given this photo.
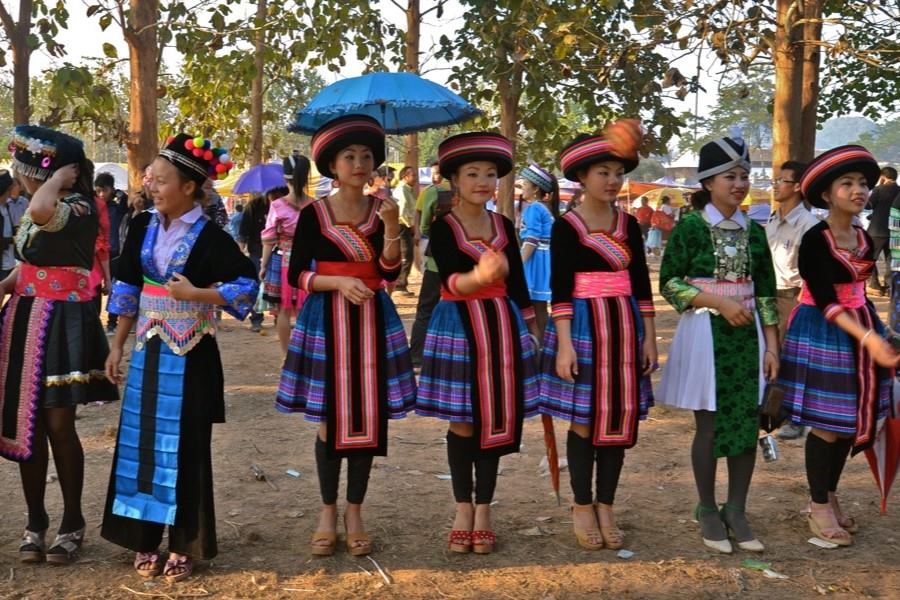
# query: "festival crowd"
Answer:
x=552 y=315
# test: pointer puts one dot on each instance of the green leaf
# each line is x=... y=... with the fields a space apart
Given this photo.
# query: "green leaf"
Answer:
x=32 y=41
x=110 y=51
x=92 y=10
x=105 y=21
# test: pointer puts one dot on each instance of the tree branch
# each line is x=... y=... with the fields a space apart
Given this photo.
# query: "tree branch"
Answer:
x=8 y=24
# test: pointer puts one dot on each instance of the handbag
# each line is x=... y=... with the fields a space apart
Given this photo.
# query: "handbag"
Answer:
x=771 y=410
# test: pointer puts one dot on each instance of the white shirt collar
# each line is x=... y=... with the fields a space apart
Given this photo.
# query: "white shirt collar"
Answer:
x=190 y=217
x=715 y=217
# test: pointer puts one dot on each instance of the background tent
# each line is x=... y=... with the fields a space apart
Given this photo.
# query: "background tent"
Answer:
x=119 y=171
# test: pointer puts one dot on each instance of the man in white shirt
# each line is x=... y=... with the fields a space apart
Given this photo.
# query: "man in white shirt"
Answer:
x=784 y=231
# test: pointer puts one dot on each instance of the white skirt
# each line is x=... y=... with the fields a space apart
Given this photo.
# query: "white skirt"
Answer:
x=689 y=375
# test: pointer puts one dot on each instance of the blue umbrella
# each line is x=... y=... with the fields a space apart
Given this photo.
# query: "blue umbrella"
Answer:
x=260 y=179
x=401 y=102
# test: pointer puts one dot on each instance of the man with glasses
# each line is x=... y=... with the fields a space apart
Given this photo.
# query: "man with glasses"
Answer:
x=784 y=231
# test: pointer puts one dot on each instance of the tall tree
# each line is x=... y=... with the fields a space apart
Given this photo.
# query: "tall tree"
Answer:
x=256 y=88
x=529 y=58
x=24 y=40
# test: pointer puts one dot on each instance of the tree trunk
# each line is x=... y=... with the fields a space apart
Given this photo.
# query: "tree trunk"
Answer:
x=17 y=34
x=413 y=21
x=812 y=10
x=143 y=139
x=510 y=93
x=787 y=56
x=256 y=88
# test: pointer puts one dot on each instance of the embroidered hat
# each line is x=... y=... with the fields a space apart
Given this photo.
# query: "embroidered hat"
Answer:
x=619 y=141
x=830 y=165
x=6 y=181
x=39 y=151
x=722 y=155
x=539 y=177
x=196 y=157
x=337 y=134
x=472 y=146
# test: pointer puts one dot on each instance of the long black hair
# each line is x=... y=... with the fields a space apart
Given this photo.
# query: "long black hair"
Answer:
x=554 y=200
x=299 y=168
x=84 y=184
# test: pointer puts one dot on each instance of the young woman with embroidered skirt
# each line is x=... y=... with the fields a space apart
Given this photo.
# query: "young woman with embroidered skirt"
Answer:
x=601 y=345
x=717 y=272
x=541 y=191
x=837 y=367
x=278 y=238
x=479 y=370
x=348 y=366
x=52 y=344
x=175 y=269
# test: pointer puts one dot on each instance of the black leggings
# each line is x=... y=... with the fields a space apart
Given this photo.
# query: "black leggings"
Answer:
x=329 y=470
x=582 y=456
x=58 y=426
x=703 y=460
x=463 y=453
x=824 y=464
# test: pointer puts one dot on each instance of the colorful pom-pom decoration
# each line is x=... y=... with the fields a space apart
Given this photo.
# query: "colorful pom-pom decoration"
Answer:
x=189 y=144
x=198 y=142
x=220 y=168
x=46 y=162
x=207 y=144
x=170 y=139
x=207 y=155
x=221 y=176
x=224 y=157
x=198 y=152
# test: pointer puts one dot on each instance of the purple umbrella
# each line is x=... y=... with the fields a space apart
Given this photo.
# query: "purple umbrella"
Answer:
x=260 y=179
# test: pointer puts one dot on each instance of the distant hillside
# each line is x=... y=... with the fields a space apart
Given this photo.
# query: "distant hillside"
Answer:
x=843 y=130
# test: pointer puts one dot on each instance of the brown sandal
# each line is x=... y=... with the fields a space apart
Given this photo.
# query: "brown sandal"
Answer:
x=179 y=568
x=833 y=533
x=148 y=564
x=319 y=549
x=613 y=537
x=359 y=544
x=847 y=522
x=584 y=536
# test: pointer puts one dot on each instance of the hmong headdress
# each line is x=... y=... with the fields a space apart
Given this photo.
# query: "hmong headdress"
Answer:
x=472 y=146
x=619 y=142
x=539 y=177
x=196 y=157
x=722 y=155
x=337 y=134
x=830 y=165
x=39 y=151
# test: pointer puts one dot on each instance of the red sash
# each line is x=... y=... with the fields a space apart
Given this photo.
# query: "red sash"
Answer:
x=365 y=271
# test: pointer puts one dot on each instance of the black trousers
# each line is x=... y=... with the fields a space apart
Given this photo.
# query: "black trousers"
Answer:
x=881 y=245
x=429 y=296
x=407 y=246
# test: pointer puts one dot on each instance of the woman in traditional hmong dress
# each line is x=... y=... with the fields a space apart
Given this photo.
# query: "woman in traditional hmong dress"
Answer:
x=175 y=268
x=278 y=238
x=479 y=370
x=837 y=367
x=541 y=190
x=348 y=365
x=717 y=272
x=52 y=344
x=601 y=347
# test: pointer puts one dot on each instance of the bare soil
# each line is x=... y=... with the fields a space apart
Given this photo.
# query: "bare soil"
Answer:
x=264 y=532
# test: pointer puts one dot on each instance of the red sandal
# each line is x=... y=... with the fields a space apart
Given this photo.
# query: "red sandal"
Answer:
x=460 y=541
x=488 y=541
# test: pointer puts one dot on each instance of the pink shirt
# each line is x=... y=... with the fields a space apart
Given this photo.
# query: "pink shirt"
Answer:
x=167 y=239
x=281 y=222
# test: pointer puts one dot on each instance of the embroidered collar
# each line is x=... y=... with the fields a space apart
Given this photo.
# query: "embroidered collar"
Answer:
x=714 y=217
x=182 y=250
x=475 y=247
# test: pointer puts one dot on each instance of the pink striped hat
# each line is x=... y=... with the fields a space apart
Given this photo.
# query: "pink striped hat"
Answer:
x=830 y=165
x=337 y=134
x=586 y=150
x=472 y=146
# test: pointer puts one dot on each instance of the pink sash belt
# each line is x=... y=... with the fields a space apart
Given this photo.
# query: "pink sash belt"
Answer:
x=601 y=284
x=850 y=295
x=740 y=290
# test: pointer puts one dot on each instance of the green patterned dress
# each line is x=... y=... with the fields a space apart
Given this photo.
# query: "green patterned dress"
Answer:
x=728 y=379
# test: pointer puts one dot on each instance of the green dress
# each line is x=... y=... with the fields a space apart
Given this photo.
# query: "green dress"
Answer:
x=726 y=253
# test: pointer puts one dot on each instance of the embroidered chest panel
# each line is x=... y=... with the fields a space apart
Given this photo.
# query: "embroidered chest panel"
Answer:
x=475 y=247
x=351 y=239
x=612 y=246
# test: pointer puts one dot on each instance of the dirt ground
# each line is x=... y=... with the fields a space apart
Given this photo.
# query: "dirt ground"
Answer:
x=264 y=532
